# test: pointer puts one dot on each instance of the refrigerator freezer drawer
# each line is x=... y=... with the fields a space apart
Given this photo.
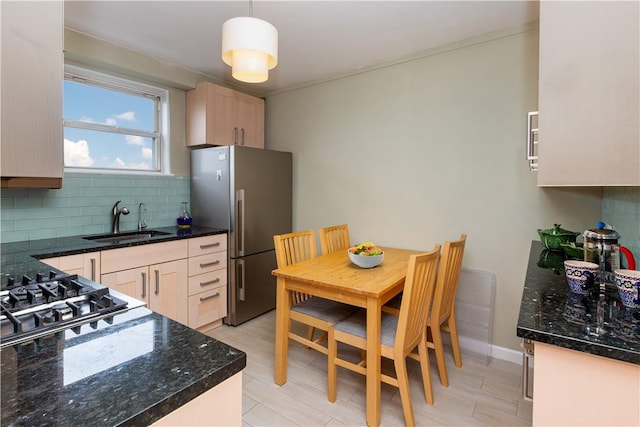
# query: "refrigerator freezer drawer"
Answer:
x=252 y=288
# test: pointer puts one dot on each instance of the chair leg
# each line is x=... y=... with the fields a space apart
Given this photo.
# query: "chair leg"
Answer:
x=423 y=353
x=403 y=385
x=436 y=335
x=455 y=344
x=331 y=367
x=310 y=331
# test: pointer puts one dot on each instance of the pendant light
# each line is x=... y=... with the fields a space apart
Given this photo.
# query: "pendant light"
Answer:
x=250 y=47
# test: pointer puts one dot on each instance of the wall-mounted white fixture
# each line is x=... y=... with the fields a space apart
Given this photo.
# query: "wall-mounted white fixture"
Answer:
x=250 y=47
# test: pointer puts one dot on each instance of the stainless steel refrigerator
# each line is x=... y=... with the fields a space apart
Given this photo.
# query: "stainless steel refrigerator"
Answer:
x=248 y=192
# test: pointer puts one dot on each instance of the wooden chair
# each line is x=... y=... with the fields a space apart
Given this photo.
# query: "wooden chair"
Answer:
x=334 y=238
x=316 y=313
x=400 y=334
x=443 y=315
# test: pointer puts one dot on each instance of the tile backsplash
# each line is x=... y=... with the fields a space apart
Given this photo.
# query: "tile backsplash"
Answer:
x=83 y=205
x=621 y=208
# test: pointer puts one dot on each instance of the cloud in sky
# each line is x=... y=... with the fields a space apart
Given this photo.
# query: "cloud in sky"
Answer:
x=129 y=116
x=134 y=140
x=146 y=152
x=77 y=154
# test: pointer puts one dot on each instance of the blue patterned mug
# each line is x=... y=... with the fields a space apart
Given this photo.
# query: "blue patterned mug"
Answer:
x=628 y=283
x=580 y=275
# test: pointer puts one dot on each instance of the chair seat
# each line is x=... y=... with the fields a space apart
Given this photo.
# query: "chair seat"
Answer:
x=357 y=325
x=327 y=310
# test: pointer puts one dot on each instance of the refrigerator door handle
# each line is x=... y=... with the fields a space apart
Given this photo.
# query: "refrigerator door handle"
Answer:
x=240 y=279
x=240 y=222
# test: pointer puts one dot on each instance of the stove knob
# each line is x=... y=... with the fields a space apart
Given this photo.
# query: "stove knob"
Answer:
x=11 y=282
x=39 y=277
x=52 y=274
x=26 y=280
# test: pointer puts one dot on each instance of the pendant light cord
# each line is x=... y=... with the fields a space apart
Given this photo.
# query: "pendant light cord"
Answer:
x=251 y=8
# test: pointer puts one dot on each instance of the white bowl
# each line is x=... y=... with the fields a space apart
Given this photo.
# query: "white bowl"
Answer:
x=365 y=261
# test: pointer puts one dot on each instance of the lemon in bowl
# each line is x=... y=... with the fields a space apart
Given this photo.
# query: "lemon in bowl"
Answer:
x=366 y=255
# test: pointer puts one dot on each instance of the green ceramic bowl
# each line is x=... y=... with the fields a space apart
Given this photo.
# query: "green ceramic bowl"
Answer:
x=551 y=238
x=573 y=250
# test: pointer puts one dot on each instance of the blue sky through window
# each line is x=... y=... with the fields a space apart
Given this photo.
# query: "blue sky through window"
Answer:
x=97 y=147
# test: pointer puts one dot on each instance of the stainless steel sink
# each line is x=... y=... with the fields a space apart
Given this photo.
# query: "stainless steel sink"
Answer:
x=125 y=237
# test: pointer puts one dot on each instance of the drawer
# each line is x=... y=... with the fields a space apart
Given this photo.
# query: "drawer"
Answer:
x=207 y=307
x=206 y=263
x=138 y=256
x=207 y=244
x=207 y=281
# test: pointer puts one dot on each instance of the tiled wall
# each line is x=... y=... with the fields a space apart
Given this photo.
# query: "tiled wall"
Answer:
x=621 y=208
x=84 y=204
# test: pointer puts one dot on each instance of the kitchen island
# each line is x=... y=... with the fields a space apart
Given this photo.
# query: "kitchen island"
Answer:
x=581 y=377
x=136 y=367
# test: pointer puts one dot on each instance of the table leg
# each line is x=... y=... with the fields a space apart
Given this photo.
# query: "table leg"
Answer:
x=283 y=305
x=373 y=361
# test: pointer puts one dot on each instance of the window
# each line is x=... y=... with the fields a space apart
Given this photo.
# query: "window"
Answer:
x=111 y=123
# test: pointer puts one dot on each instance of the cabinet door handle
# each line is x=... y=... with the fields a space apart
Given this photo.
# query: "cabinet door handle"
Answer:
x=240 y=280
x=210 y=245
x=210 y=282
x=217 y=294
x=93 y=269
x=209 y=264
x=242 y=133
x=144 y=285
x=527 y=355
x=235 y=136
x=532 y=140
x=157 y=281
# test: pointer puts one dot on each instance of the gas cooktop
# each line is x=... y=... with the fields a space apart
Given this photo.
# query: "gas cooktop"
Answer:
x=31 y=308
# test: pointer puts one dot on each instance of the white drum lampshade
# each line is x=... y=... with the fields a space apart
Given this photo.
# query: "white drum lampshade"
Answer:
x=250 y=47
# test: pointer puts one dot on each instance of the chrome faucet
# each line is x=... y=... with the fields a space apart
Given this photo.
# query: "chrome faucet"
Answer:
x=142 y=224
x=115 y=213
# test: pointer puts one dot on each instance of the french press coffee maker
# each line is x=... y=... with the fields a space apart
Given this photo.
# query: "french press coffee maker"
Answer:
x=601 y=247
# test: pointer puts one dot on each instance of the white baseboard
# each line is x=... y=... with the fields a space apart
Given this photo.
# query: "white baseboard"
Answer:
x=506 y=354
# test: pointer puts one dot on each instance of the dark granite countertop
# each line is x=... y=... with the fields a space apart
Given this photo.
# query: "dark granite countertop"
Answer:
x=549 y=313
x=131 y=370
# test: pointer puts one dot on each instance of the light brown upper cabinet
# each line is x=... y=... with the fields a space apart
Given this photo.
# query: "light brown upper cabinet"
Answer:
x=589 y=93
x=218 y=115
x=32 y=76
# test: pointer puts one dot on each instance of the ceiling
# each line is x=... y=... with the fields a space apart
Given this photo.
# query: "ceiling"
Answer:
x=318 y=40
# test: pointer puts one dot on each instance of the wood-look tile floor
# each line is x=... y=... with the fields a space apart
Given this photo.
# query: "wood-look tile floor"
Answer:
x=481 y=393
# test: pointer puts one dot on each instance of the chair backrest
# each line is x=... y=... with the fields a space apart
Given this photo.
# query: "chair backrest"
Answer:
x=418 y=291
x=292 y=248
x=334 y=238
x=447 y=283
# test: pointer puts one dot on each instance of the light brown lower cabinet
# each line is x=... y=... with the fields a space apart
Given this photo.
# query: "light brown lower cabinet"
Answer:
x=207 y=281
x=161 y=286
x=155 y=273
x=86 y=265
x=219 y=406
x=185 y=280
x=581 y=389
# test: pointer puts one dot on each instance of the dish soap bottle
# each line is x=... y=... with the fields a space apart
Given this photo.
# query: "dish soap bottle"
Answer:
x=184 y=219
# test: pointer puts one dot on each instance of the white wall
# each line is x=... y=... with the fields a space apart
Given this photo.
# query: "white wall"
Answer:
x=416 y=153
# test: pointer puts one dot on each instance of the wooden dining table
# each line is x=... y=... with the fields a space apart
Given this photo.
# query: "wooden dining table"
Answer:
x=334 y=277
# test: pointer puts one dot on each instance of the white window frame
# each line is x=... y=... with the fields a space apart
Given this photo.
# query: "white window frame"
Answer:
x=160 y=135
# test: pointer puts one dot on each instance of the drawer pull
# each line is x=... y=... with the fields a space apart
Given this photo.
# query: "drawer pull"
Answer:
x=210 y=245
x=209 y=264
x=217 y=294
x=210 y=282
